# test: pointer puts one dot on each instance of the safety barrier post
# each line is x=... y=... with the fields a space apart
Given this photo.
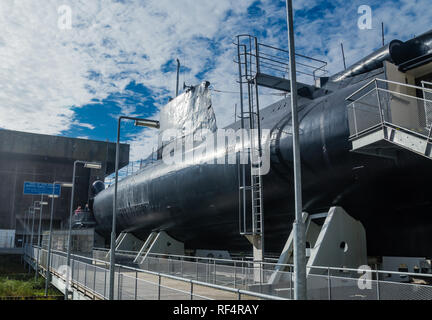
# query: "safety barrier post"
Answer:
x=136 y=284
x=118 y=285
x=85 y=275
x=379 y=103
x=261 y=275
x=159 y=287
x=72 y=271
x=235 y=275
x=378 y=287
x=94 y=280
x=120 y=294
x=355 y=119
x=290 y=275
x=105 y=283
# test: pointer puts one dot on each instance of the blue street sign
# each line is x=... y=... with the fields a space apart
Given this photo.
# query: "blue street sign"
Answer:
x=38 y=188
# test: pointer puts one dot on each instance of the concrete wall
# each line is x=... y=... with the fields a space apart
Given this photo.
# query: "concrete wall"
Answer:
x=43 y=158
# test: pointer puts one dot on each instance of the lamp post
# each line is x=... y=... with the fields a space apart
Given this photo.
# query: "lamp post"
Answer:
x=88 y=165
x=139 y=122
x=32 y=210
x=26 y=236
x=27 y=228
x=41 y=204
x=298 y=226
x=48 y=268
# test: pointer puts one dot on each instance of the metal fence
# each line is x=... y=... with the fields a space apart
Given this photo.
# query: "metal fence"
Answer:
x=91 y=277
x=387 y=102
x=323 y=283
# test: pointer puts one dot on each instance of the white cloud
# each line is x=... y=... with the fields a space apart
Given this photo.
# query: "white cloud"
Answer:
x=45 y=71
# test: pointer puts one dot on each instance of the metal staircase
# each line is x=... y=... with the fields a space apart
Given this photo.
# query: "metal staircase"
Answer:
x=387 y=116
x=261 y=65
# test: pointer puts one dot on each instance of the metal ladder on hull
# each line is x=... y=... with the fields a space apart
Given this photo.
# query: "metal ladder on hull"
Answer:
x=250 y=121
x=262 y=65
x=251 y=210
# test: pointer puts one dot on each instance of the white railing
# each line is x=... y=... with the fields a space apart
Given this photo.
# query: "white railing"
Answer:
x=323 y=282
x=91 y=277
x=178 y=278
x=383 y=102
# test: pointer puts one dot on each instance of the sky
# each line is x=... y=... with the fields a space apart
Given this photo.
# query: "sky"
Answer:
x=118 y=57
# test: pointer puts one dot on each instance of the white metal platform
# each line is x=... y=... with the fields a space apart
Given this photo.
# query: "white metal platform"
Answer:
x=386 y=117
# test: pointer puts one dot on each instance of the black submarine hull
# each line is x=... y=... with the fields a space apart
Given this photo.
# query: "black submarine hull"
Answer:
x=199 y=204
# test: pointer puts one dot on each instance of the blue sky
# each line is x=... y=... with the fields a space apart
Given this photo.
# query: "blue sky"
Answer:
x=119 y=56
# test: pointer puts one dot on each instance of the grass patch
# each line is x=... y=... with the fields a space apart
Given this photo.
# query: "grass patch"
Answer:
x=23 y=285
x=15 y=282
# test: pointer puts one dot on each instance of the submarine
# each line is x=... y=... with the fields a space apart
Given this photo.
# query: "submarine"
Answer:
x=198 y=203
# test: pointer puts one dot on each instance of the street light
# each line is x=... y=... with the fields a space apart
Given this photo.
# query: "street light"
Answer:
x=89 y=165
x=41 y=204
x=52 y=196
x=26 y=238
x=32 y=210
x=27 y=221
x=93 y=165
x=147 y=123
x=300 y=281
x=139 y=123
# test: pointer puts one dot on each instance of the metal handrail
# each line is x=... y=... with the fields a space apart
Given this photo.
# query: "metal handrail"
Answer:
x=252 y=50
x=342 y=269
x=405 y=85
x=383 y=122
x=96 y=290
x=404 y=95
x=387 y=81
x=297 y=54
x=199 y=258
x=159 y=274
x=361 y=89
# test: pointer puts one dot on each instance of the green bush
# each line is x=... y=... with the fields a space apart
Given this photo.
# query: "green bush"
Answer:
x=23 y=286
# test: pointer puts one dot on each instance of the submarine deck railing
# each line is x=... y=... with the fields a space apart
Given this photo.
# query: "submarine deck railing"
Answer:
x=265 y=59
x=323 y=282
x=131 y=283
x=382 y=103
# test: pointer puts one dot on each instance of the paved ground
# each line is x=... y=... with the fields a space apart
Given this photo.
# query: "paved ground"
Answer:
x=146 y=286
